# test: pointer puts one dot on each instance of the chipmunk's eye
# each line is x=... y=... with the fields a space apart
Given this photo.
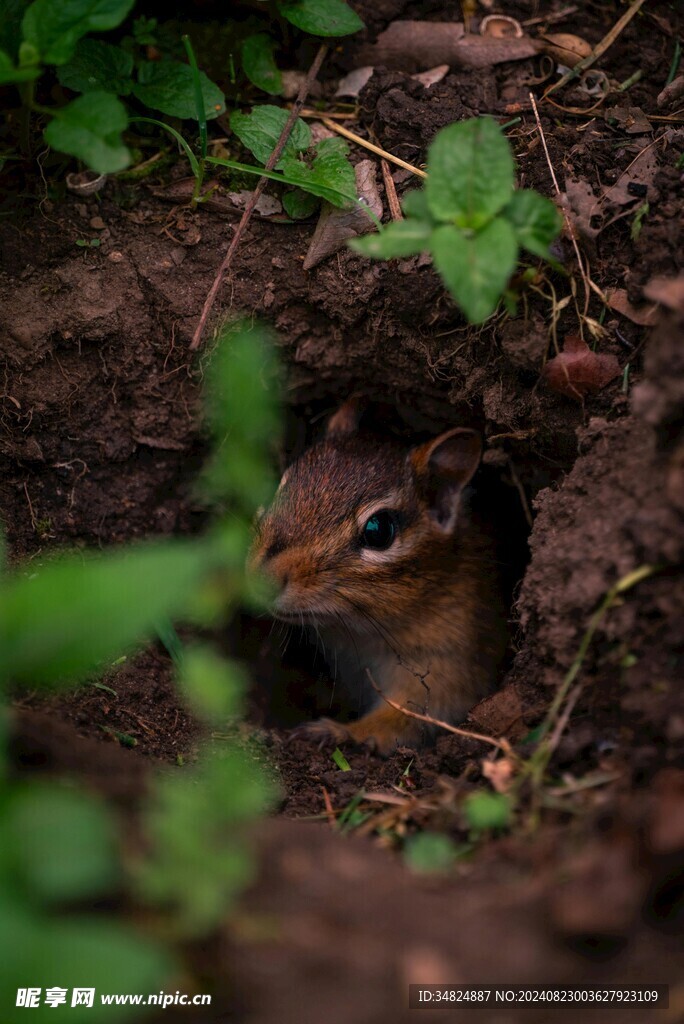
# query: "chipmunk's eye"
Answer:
x=380 y=530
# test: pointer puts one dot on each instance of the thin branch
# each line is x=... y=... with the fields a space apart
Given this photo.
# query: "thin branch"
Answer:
x=502 y=744
x=254 y=198
x=588 y=283
x=599 y=49
x=373 y=148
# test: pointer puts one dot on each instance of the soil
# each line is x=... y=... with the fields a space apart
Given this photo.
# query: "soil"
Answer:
x=101 y=440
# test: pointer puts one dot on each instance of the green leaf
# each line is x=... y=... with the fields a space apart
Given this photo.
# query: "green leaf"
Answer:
x=300 y=205
x=80 y=952
x=321 y=17
x=475 y=268
x=9 y=74
x=168 y=86
x=70 y=615
x=197 y=859
x=11 y=14
x=487 y=810
x=415 y=204
x=430 y=853
x=401 y=238
x=340 y=760
x=61 y=843
x=55 y=26
x=259 y=64
x=471 y=173
x=535 y=219
x=242 y=411
x=185 y=146
x=97 y=66
x=260 y=131
x=330 y=176
x=90 y=128
x=213 y=685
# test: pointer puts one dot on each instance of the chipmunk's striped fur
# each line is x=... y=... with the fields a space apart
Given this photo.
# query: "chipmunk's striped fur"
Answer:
x=424 y=616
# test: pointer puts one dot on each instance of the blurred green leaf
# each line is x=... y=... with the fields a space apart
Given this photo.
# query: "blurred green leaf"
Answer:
x=471 y=173
x=70 y=615
x=321 y=17
x=430 y=852
x=398 y=239
x=214 y=686
x=75 y=952
x=198 y=858
x=535 y=219
x=9 y=74
x=487 y=810
x=260 y=131
x=241 y=387
x=90 y=128
x=259 y=64
x=11 y=15
x=97 y=66
x=168 y=86
x=475 y=267
x=61 y=843
x=415 y=204
x=55 y=26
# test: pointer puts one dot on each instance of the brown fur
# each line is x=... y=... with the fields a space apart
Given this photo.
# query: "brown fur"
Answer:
x=426 y=617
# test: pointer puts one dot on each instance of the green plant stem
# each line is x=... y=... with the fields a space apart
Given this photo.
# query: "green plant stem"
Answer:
x=27 y=91
x=538 y=763
x=201 y=119
x=675 y=63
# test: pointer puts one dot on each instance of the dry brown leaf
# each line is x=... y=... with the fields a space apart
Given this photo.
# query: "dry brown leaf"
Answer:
x=668 y=291
x=671 y=92
x=335 y=227
x=418 y=45
x=565 y=48
x=577 y=371
x=499 y=773
x=643 y=315
x=353 y=83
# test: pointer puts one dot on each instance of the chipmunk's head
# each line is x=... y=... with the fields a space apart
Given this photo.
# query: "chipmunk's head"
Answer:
x=358 y=524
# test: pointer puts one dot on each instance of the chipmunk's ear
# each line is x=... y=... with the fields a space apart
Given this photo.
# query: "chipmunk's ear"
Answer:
x=347 y=418
x=442 y=468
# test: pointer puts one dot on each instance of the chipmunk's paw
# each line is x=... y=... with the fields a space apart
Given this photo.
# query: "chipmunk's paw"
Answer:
x=324 y=730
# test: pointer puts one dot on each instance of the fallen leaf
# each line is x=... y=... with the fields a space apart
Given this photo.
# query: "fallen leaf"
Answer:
x=565 y=48
x=644 y=315
x=499 y=773
x=353 y=83
x=671 y=92
x=431 y=77
x=335 y=227
x=418 y=45
x=630 y=120
x=668 y=291
x=577 y=371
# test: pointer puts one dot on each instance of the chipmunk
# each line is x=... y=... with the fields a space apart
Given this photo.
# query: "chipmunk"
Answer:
x=375 y=547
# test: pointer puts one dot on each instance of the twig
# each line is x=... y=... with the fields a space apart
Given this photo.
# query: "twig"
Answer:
x=390 y=191
x=588 y=283
x=373 y=148
x=599 y=49
x=254 y=198
x=502 y=744
x=549 y=19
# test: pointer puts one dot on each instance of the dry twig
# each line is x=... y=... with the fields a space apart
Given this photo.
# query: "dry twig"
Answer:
x=599 y=49
x=254 y=198
x=391 y=192
x=501 y=744
x=588 y=283
x=373 y=148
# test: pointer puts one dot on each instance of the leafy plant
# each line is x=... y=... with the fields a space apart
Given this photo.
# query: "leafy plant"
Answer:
x=317 y=17
x=91 y=127
x=69 y=618
x=470 y=217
